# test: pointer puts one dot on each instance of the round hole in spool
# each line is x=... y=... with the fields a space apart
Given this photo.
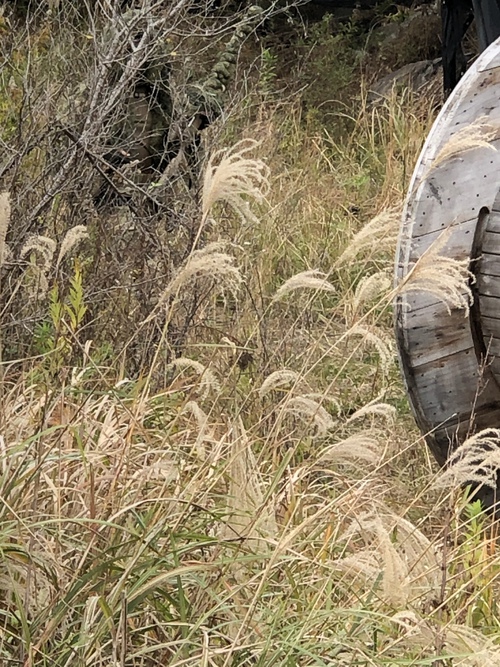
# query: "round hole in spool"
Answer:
x=474 y=401
x=477 y=285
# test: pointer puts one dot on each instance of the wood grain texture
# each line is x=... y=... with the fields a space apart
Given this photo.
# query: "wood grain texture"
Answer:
x=450 y=363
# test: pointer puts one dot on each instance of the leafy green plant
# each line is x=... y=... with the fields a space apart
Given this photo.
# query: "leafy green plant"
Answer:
x=267 y=71
x=478 y=569
x=57 y=337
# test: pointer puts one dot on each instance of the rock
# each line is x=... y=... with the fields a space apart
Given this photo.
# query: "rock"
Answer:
x=415 y=76
x=415 y=36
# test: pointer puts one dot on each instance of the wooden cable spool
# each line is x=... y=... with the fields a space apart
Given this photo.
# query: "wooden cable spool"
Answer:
x=451 y=363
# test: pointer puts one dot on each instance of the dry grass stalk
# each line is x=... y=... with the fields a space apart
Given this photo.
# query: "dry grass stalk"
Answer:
x=379 y=234
x=447 y=279
x=249 y=515
x=231 y=175
x=278 y=380
x=5 y=212
x=72 y=237
x=476 y=460
x=470 y=646
x=313 y=279
x=479 y=134
x=204 y=432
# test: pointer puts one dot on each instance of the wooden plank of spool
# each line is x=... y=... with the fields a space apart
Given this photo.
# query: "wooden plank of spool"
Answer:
x=436 y=333
x=455 y=431
x=457 y=246
x=449 y=373
x=488 y=285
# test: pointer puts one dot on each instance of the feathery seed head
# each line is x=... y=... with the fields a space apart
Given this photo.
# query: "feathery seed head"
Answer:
x=408 y=560
x=479 y=134
x=208 y=263
x=313 y=279
x=378 y=340
x=208 y=381
x=5 y=211
x=368 y=289
x=278 y=379
x=204 y=433
x=72 y=237
x=472 y=647
x=231 y=175
x=447 y=279
x=249 y=514
x=43 y=245
x=310 y=410
x=380 y=233
x=475 y=461
x=374 y=408
x=361 y=446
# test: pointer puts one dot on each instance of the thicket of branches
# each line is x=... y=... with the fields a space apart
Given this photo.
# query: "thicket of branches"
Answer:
x=105 y=108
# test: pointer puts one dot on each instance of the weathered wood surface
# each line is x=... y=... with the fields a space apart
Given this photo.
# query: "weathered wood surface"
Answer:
x=450 y=361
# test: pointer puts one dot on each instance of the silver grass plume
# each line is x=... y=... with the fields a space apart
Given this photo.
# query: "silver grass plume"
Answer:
x=363 y=565
x=378 y=340
x=44 y=246
x=476 y=460
x=321 y=398
x=230 y=176
x=5 y=212
x=72 y=237
x=408 y=559
x=470 y=647
x=392 y=567
x=380 y=233
x=395 y=579
x=312 y=279
x=204 y=433
x=447 y=279
x=249 y=514
x=374 y=408
x=277 y=380
x=207 y=379
x=479 y=134
x=311 y=411
x=369 y=289
x=209 y=263
x=362 y=446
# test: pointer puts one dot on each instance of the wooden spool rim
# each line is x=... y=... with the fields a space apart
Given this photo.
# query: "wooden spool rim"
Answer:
x=451 y=381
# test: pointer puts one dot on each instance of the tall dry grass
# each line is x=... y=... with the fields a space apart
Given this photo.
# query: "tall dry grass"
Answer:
x=265 y=498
